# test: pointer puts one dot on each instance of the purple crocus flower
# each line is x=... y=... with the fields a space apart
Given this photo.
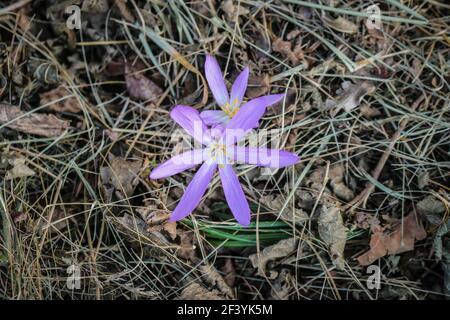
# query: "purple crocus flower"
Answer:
x=229 y=104
x=220 y=147
x=220 y=151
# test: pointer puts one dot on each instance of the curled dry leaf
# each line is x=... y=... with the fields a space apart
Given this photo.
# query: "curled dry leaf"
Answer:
x=400 y=238
x=276 y=203
x=158 y=220
x=281 y=249
x=282 y=286
x=342 y=25
x=40 y=124
x=285 y=49
x=213 y=278
x=134 y=230
x=141 y=87
x=19 y=169
x=194 y=291
x=317 y=182
x=333 y=232
x=351 y=96
x=337 y=183
x=156 y=243
x=305 y=199
x=51 y=98
x=121 y=176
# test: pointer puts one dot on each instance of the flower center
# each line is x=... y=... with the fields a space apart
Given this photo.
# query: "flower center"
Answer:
x=231 y=110
x=218 y=152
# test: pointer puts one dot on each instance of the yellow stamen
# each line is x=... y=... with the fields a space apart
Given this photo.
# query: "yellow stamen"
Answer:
x=217 y=151
x=231 y=111
x=226 y=108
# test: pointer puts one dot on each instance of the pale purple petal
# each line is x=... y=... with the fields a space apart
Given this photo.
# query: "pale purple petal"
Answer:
x=179 y=163
x=214 y=117
x=217 y=131
x=248 y=117
x=189 y=118
x=239 y=88
x=215 y=80
x=194 y=192
x=264 y=157
x=234 y=194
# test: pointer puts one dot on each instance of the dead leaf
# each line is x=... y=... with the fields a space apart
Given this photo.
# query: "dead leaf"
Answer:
x=158 y=220
x=114 y=68
x=196 y=292
x=279 y=250
x=285 y=48
x=23 y=19
x=113 y=135
x=203 y=7
x=258 y=85
x=423 y=179
x=213 y=278
x=369 y=111
x=95 y=6
x=19 y=170
x=342 y=25
x=134 y=230
x=333 y=232
x=315 y=181
x=305 y=199
x=233 y=11
x=351 y=97
x=282 y=286
x=276 y=203
x=121 y=176
x=400 y=239
x=430 y=205
x=293 y=34
x=438 y=242
x=51 y=98
x=44 y=71
x=53 y=221
x=337 y=179
x=365 y=220
x=141 y=87
x=123 y=9
x=229 y=272
x=186 y=250
x=40 y=124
